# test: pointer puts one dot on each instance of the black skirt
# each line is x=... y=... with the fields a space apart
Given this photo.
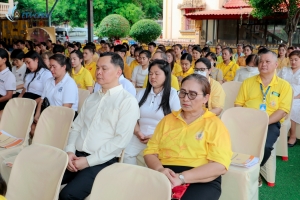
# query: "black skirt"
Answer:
x=2 y=104
x=30 y=95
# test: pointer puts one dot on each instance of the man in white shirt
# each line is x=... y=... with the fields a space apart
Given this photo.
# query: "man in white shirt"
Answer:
x=101 y=131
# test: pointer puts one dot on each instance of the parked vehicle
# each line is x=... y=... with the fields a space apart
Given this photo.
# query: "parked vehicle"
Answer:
x=73 y=35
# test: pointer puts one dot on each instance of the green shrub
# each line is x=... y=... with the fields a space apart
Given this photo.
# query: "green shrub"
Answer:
x=145 y=31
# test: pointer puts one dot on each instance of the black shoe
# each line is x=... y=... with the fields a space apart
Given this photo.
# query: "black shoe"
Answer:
x=292 y=145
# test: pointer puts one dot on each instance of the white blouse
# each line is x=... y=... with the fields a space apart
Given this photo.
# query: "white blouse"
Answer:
x=293 y=78
x=149 y=115
x=7 y=81
x=19 y=74
x=138 y=75
x=244 y=73
x=38 y=83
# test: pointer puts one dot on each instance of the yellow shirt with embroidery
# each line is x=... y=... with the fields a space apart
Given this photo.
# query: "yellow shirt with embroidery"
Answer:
x=83 y=78
x=217 y=95
x=193 y=145
x=185 y=74
x=174 y=82
x=283 y=63
x=241 y=61
x=279 y=96
x=133 y=64
x=229 y=70
x=92 y=68
x=25 y=50
x=176 y=69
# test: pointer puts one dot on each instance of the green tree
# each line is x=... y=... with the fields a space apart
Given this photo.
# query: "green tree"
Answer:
x=145 y=31
x=114 y=27
x=264 y=8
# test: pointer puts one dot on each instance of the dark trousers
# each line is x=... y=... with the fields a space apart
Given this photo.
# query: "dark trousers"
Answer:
x=199 y=191
x=272 y=135
x=80 y=183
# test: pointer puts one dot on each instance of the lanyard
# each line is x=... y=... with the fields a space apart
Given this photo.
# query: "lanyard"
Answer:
x=264 y=94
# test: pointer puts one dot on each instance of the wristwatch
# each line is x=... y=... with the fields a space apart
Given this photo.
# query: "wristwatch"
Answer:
x=181 y=177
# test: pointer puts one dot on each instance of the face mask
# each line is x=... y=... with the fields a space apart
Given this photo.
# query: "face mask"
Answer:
x=252 y=69
x=201 y=73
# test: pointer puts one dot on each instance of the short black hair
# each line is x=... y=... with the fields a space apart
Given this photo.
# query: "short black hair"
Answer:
x=152 y=44
x=120 y=48
x=91 y=44
x=102 y=42
x=17 y=54
x=71 y=45
x=49 y=40
x=115 y=59
x=90 y=48
x=58 y=49
x=21 y=42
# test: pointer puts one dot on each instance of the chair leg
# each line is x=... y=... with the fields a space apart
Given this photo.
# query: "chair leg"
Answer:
x=285 y=158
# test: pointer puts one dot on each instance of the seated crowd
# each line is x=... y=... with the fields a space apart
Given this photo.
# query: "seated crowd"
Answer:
x=164 y=103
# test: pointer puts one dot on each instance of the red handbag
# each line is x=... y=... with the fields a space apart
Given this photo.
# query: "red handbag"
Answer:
x=178 y=191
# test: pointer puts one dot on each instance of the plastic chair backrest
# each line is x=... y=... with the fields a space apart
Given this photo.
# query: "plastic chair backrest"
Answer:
x=82 y=95
x=133 y=182
x=248 y=130
x=37 y=173
x=231 y=90
x=17 y=117
x=54 y=126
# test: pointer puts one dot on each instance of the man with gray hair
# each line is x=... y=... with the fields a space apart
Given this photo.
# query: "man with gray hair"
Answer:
x=159 y=55
x=269 y=93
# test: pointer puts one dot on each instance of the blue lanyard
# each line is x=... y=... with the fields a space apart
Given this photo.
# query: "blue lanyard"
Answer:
x=264 y=94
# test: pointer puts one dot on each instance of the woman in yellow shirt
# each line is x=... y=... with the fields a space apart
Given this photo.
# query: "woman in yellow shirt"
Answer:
x=186 y=66
x=283 y=60
x=248 y=50
x=228 y=67
x=171 y=58
x=196 y=54
x=82 y=76
x=89 y=64
x=191 y=145
x=177 y=50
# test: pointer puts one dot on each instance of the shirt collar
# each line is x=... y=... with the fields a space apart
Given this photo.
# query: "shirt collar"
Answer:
x=4 y=71
x=159 y=94
x=80 y=71
x=121 y=77
x=273 y=82
x=112 y=90
x=207 y=114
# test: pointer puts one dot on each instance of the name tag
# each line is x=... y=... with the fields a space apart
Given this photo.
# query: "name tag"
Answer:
x=276 y=94
x=262 y=107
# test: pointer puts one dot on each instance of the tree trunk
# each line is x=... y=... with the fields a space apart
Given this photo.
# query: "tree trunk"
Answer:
x=290 y=38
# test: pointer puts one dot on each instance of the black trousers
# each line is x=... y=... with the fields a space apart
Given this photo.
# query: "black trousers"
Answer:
x=80 y=183
x=199 y=191
x=272 y=135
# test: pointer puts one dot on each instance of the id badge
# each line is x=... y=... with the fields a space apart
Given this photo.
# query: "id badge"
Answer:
x=262 y=107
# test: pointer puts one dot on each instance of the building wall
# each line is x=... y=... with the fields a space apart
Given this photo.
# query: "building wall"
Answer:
x=171 y=19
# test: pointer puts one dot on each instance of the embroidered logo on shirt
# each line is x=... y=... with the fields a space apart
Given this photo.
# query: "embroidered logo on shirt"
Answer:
x=60 y=89
x=199 y=135
x=273 y=103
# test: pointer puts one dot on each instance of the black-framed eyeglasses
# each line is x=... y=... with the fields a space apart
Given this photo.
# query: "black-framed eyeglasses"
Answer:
x=200 y=69
x=191 y=95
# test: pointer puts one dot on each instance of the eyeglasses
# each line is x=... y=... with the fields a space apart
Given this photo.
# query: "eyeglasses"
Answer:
x=191 y=95
x=200 y=69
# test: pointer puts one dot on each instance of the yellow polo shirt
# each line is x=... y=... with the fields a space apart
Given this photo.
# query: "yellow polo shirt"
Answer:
x=83 y=78
x=95 y=57
x=279 y=96
x=229 y=70
x=283 y=63
x=176 y=69
x=217 y=95
x=127 y=71
x=193 y=145
x=92 y=68
x=174 y=82
x=25 y=50
x=2 y=197
x=133 y=64
x=185 y=74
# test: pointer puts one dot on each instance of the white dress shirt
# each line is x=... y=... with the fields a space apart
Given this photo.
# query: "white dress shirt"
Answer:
x=244 y=73
x=64 y=92
x=7 y=81
x=127 y=85
x=38 y=83
x=138 y=75
x=105 y=125
x=150 y=116
x=19 y=74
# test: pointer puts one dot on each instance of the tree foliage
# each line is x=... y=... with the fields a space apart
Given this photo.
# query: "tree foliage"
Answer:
x=114 y=27
x=145 y=31
x=264 y=8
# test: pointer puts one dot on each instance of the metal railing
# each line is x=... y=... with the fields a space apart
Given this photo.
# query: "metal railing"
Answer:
x=4 y=8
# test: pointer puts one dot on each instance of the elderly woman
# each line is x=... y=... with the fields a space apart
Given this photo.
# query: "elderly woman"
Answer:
x=191 y=145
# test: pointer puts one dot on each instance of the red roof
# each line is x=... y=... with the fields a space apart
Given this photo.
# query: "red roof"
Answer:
x=236 y=4
x=220 y=14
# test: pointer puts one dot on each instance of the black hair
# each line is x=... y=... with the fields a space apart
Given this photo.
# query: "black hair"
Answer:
x=58 y=49
x=43 y=43
x=229 y=50
x=4 y=54
x=162 y=47
x=263 y=50
x=78 y=44
x=204 y=61
x=165 y=100
x=120 y=48
x=21 y=42
x=102 y=41
x=90 y=48
x=178 y=45
x=34 y=55
x=138 y=49
x=249 y=46
x=17 y=54
x=79 y=55
x=213 y=56
x=31 y=45
x=71 y=45
x=126 y=45
x=3 y=186
x=250 y=58
x=206 y=49
x=196 y=48
x=152 y=44
x=115 y=59
x=147 y=53
x=91 y=44
x=49 y=40
x=187 y=56
x=61 y=60
x=134 y=46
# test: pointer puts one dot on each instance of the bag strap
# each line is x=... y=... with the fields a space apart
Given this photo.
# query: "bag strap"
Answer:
x=228 y=70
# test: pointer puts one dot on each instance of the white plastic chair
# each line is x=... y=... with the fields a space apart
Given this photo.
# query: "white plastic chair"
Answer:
x=231 y=90
x=82 y=95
